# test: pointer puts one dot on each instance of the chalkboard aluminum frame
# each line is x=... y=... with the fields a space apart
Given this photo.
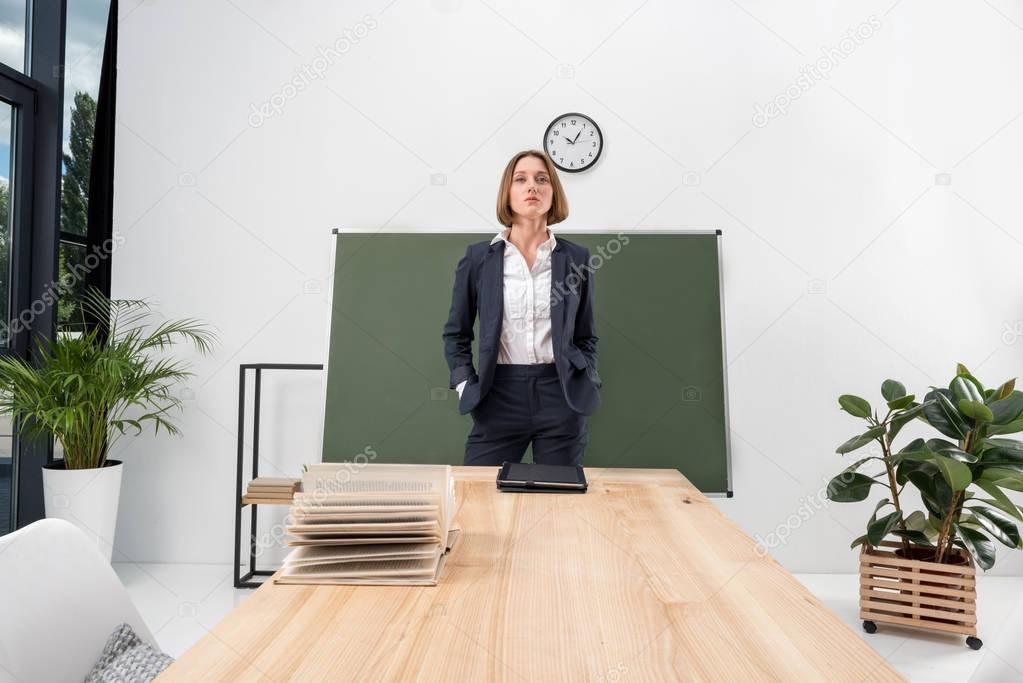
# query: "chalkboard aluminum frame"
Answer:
x=729 y=491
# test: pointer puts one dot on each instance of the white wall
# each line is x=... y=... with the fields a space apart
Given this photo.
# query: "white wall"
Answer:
x=849 y=256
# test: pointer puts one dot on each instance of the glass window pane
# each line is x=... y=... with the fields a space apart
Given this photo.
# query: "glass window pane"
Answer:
x=86 y=33
x=71 y=276
x=12 y=33
x=6 y=215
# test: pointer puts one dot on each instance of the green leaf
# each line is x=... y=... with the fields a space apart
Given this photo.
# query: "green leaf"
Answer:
x=901 y=402
x=853 y=467
x=859 y=541
x=854 y=405
x=1011 y=444
x=998 y=498
x=964 y=389
x=1008 y=409
x=851 y=487
x=861 y=440
x=943 y=416
x=880 y=528
x=916 y=520
x=951 y=412
x=903 y=468
x=917 y=449
x=957 y=475
x=892 y=390
x=1013 y=427
x=914 y=446
x=900 y=420
x=956 y=454
x=978 y=545
x=929 y=481
x=913 y=536
x=976 y=410
x=880 y=504
x=998 y=524
x=1005 y=390
x=1006 y=457
x=924 y=455
x=1003 y=478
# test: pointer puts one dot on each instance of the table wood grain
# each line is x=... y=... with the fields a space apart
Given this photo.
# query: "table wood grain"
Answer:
x=640 y=579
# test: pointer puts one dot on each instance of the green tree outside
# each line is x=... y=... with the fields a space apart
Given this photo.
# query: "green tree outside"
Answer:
x=5 y=248
x=74 y=204
x=74 y=215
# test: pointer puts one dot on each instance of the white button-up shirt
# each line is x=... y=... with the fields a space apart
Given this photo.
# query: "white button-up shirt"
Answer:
x=526 y=324
x=526 y=336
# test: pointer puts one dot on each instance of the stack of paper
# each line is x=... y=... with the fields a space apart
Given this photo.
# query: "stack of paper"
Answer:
x=272 y=488
x=370 y=524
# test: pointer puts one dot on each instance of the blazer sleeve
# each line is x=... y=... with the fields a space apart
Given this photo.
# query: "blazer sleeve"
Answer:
x=585 y=328
x=458 y=334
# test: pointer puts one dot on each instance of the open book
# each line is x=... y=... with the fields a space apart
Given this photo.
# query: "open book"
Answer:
x=370 y=524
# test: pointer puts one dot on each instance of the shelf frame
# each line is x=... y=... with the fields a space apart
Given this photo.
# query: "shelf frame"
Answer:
x=241 y=501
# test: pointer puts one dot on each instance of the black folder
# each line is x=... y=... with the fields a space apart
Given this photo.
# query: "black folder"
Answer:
x=533 y=478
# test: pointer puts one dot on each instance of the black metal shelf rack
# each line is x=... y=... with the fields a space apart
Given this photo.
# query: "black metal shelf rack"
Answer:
x=245 y=580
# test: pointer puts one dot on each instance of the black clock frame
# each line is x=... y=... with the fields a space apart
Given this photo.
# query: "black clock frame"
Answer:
x=599 y=149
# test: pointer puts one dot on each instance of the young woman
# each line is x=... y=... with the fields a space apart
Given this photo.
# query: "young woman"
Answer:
x=533 y=293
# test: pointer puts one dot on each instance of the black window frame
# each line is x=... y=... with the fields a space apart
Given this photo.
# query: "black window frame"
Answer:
x=36 y=238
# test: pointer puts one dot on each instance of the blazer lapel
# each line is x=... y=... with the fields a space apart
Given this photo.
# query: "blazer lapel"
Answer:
x=492 y=286
x=558 y=294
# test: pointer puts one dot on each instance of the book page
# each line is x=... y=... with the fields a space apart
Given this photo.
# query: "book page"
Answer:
x=366 y=540
x=348 y=478
x=369 y=523
x=391 y=568
x=321 y=554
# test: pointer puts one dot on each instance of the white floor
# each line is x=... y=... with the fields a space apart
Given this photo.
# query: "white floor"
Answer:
x=180 y=602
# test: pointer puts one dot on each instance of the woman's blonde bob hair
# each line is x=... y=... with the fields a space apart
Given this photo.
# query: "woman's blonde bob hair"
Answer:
x=559 y=202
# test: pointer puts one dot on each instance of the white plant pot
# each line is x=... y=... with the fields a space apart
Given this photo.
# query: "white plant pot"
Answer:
x=87 y=498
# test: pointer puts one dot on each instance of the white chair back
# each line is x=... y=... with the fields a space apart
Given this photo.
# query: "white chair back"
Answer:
x=59 y=603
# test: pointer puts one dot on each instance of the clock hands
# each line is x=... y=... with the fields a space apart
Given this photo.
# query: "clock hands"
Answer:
x=572 y=141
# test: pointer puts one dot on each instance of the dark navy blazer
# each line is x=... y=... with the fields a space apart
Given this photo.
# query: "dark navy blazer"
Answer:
x=479 y=285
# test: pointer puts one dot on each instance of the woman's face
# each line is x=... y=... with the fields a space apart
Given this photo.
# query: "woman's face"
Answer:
x=531 y=192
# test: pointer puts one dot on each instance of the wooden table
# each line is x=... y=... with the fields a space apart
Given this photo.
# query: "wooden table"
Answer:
x=640 y=579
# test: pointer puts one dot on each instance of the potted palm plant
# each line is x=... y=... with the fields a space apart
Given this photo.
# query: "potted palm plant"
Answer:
x=918 y=568
x=87 y=389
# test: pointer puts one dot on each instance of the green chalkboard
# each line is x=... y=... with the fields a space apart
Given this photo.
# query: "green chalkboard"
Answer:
x=657 y=299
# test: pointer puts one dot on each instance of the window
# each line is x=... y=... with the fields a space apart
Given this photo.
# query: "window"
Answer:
x=6 y=216
x=17 y=130
x=32 y=50
x=13 y=20
x=6 y=230
x=86 y=32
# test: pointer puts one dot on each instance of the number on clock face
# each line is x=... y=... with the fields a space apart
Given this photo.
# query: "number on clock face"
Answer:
x=573 y=142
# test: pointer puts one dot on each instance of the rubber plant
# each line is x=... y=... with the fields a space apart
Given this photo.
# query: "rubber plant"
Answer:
x=852 y=486
x=962 y=479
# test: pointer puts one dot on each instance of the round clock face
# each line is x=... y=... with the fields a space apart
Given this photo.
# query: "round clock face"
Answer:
x=573 y=142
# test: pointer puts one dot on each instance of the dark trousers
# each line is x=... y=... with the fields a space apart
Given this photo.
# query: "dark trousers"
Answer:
x=525 y=403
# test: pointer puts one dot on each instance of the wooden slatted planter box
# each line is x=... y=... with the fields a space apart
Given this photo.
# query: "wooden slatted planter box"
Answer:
x=918 y=593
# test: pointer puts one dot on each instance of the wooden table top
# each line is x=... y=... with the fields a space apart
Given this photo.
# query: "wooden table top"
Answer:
x=642 y=578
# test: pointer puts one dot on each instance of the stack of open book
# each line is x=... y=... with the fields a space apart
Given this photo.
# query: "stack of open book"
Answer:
x=271 y=489
x=370 y=524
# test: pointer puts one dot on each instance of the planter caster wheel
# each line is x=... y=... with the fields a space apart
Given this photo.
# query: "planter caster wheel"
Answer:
x=871 y=627
x=974 y=642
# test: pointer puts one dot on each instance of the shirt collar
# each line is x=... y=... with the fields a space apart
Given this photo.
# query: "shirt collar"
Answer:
x=549 y=244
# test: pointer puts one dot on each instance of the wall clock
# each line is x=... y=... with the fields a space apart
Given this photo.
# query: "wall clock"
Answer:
x=573 y=142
